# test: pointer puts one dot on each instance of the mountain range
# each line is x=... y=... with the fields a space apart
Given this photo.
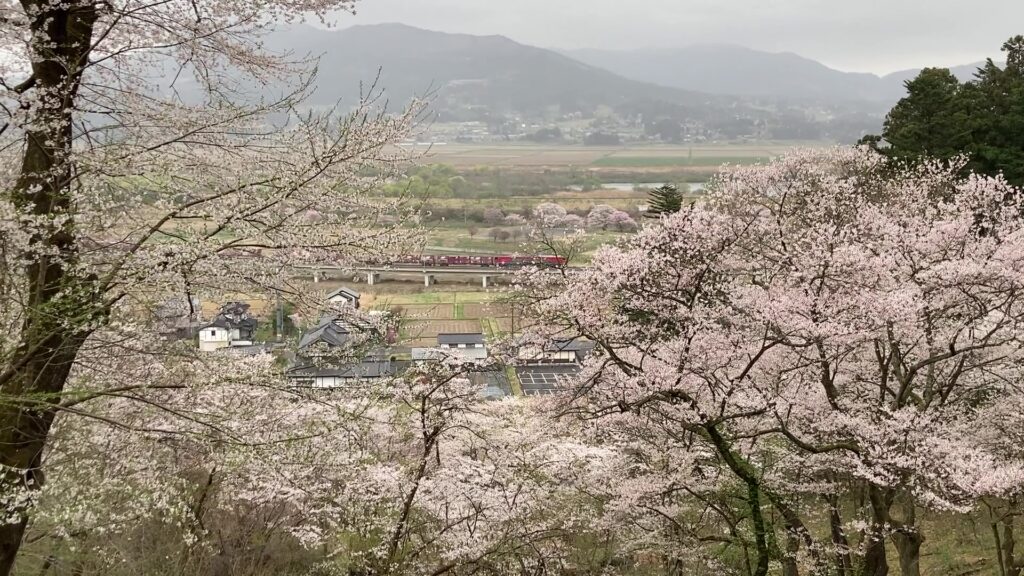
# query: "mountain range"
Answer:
x=712 y=90
x=491 y=71
x=736 y=70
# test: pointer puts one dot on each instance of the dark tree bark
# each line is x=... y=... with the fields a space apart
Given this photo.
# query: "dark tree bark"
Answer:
x=907 y=538
x=906 y=535
x=875 y=561
x=789 y=565
x=843 y=562
x=59 y=305
x=1010 y=564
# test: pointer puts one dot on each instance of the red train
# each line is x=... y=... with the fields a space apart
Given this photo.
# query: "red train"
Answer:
x=498 y=261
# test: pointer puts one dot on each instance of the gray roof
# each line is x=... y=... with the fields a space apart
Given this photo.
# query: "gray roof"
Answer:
x=235 y=309
x=244 y=324
x=573 y=345
x=472 y=338
x=368 y=369
x=425 y=353
x=332 y=331
x=343 y=291
x=329 y=334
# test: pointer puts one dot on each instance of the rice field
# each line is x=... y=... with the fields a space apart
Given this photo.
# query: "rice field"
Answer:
x=628 y=156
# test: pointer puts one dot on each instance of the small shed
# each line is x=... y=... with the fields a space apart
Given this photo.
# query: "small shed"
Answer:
x=346 y=296
x=353 y=374
x=573 y=350
x=467 y=345
x=227 y=331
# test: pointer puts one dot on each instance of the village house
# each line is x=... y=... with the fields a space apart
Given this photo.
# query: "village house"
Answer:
x=328 y=356
x=233 y=326
x=573 y=350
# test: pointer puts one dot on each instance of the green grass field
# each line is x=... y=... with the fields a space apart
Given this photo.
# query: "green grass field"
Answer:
x=527 y=155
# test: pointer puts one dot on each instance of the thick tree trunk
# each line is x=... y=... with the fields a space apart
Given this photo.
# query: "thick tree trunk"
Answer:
x=906 y=535
x=908 y=546
x=746 y=473
x=789 y=564
x=59 y=305
x=1011 y=564
x=843 y=562
x=760 y=529
x=875 y=561
x=908 y=538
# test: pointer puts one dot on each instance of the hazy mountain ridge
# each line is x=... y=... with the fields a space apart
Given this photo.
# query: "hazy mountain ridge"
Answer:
x=490 y=71
x=745 y=72
x=699 y=92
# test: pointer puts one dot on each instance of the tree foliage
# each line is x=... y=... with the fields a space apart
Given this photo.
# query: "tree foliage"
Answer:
x=983 y=118
x=666 y=199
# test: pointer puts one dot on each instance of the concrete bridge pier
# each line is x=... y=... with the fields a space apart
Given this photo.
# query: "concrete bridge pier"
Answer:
x=486 y=280
x=372 y=278
x=429 y=280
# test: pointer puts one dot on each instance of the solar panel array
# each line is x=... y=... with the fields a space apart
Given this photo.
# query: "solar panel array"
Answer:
x=538 y=380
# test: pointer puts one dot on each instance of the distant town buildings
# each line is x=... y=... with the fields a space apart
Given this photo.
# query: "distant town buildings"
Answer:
x=573 y=351
x=329 y=354
x=349 y=350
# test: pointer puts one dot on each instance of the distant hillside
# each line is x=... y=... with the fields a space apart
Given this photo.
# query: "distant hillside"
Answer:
x=464 y=72
x=728 y=69
x=964 y=73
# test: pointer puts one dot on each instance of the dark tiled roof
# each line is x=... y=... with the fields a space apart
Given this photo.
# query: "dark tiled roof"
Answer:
x=368 y=369
x=332 y=331
x=245 y=324
x=235 y=309
x=475 y=338
x=573 y=345
x=329 y=334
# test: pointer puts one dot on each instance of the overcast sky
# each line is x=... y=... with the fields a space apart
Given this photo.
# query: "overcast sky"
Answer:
x=857 y=35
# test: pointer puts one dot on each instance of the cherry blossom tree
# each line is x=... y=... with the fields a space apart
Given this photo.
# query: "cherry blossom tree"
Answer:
x=514 y=220
x=621 y=221
x=573 y=222
x=119 y=194
x=600 y=215
x=828 y=324
x=549 y=214
x=493 y=216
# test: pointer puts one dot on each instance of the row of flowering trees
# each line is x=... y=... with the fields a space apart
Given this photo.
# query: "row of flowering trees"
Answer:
x=601 y=217
x=552 y=215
